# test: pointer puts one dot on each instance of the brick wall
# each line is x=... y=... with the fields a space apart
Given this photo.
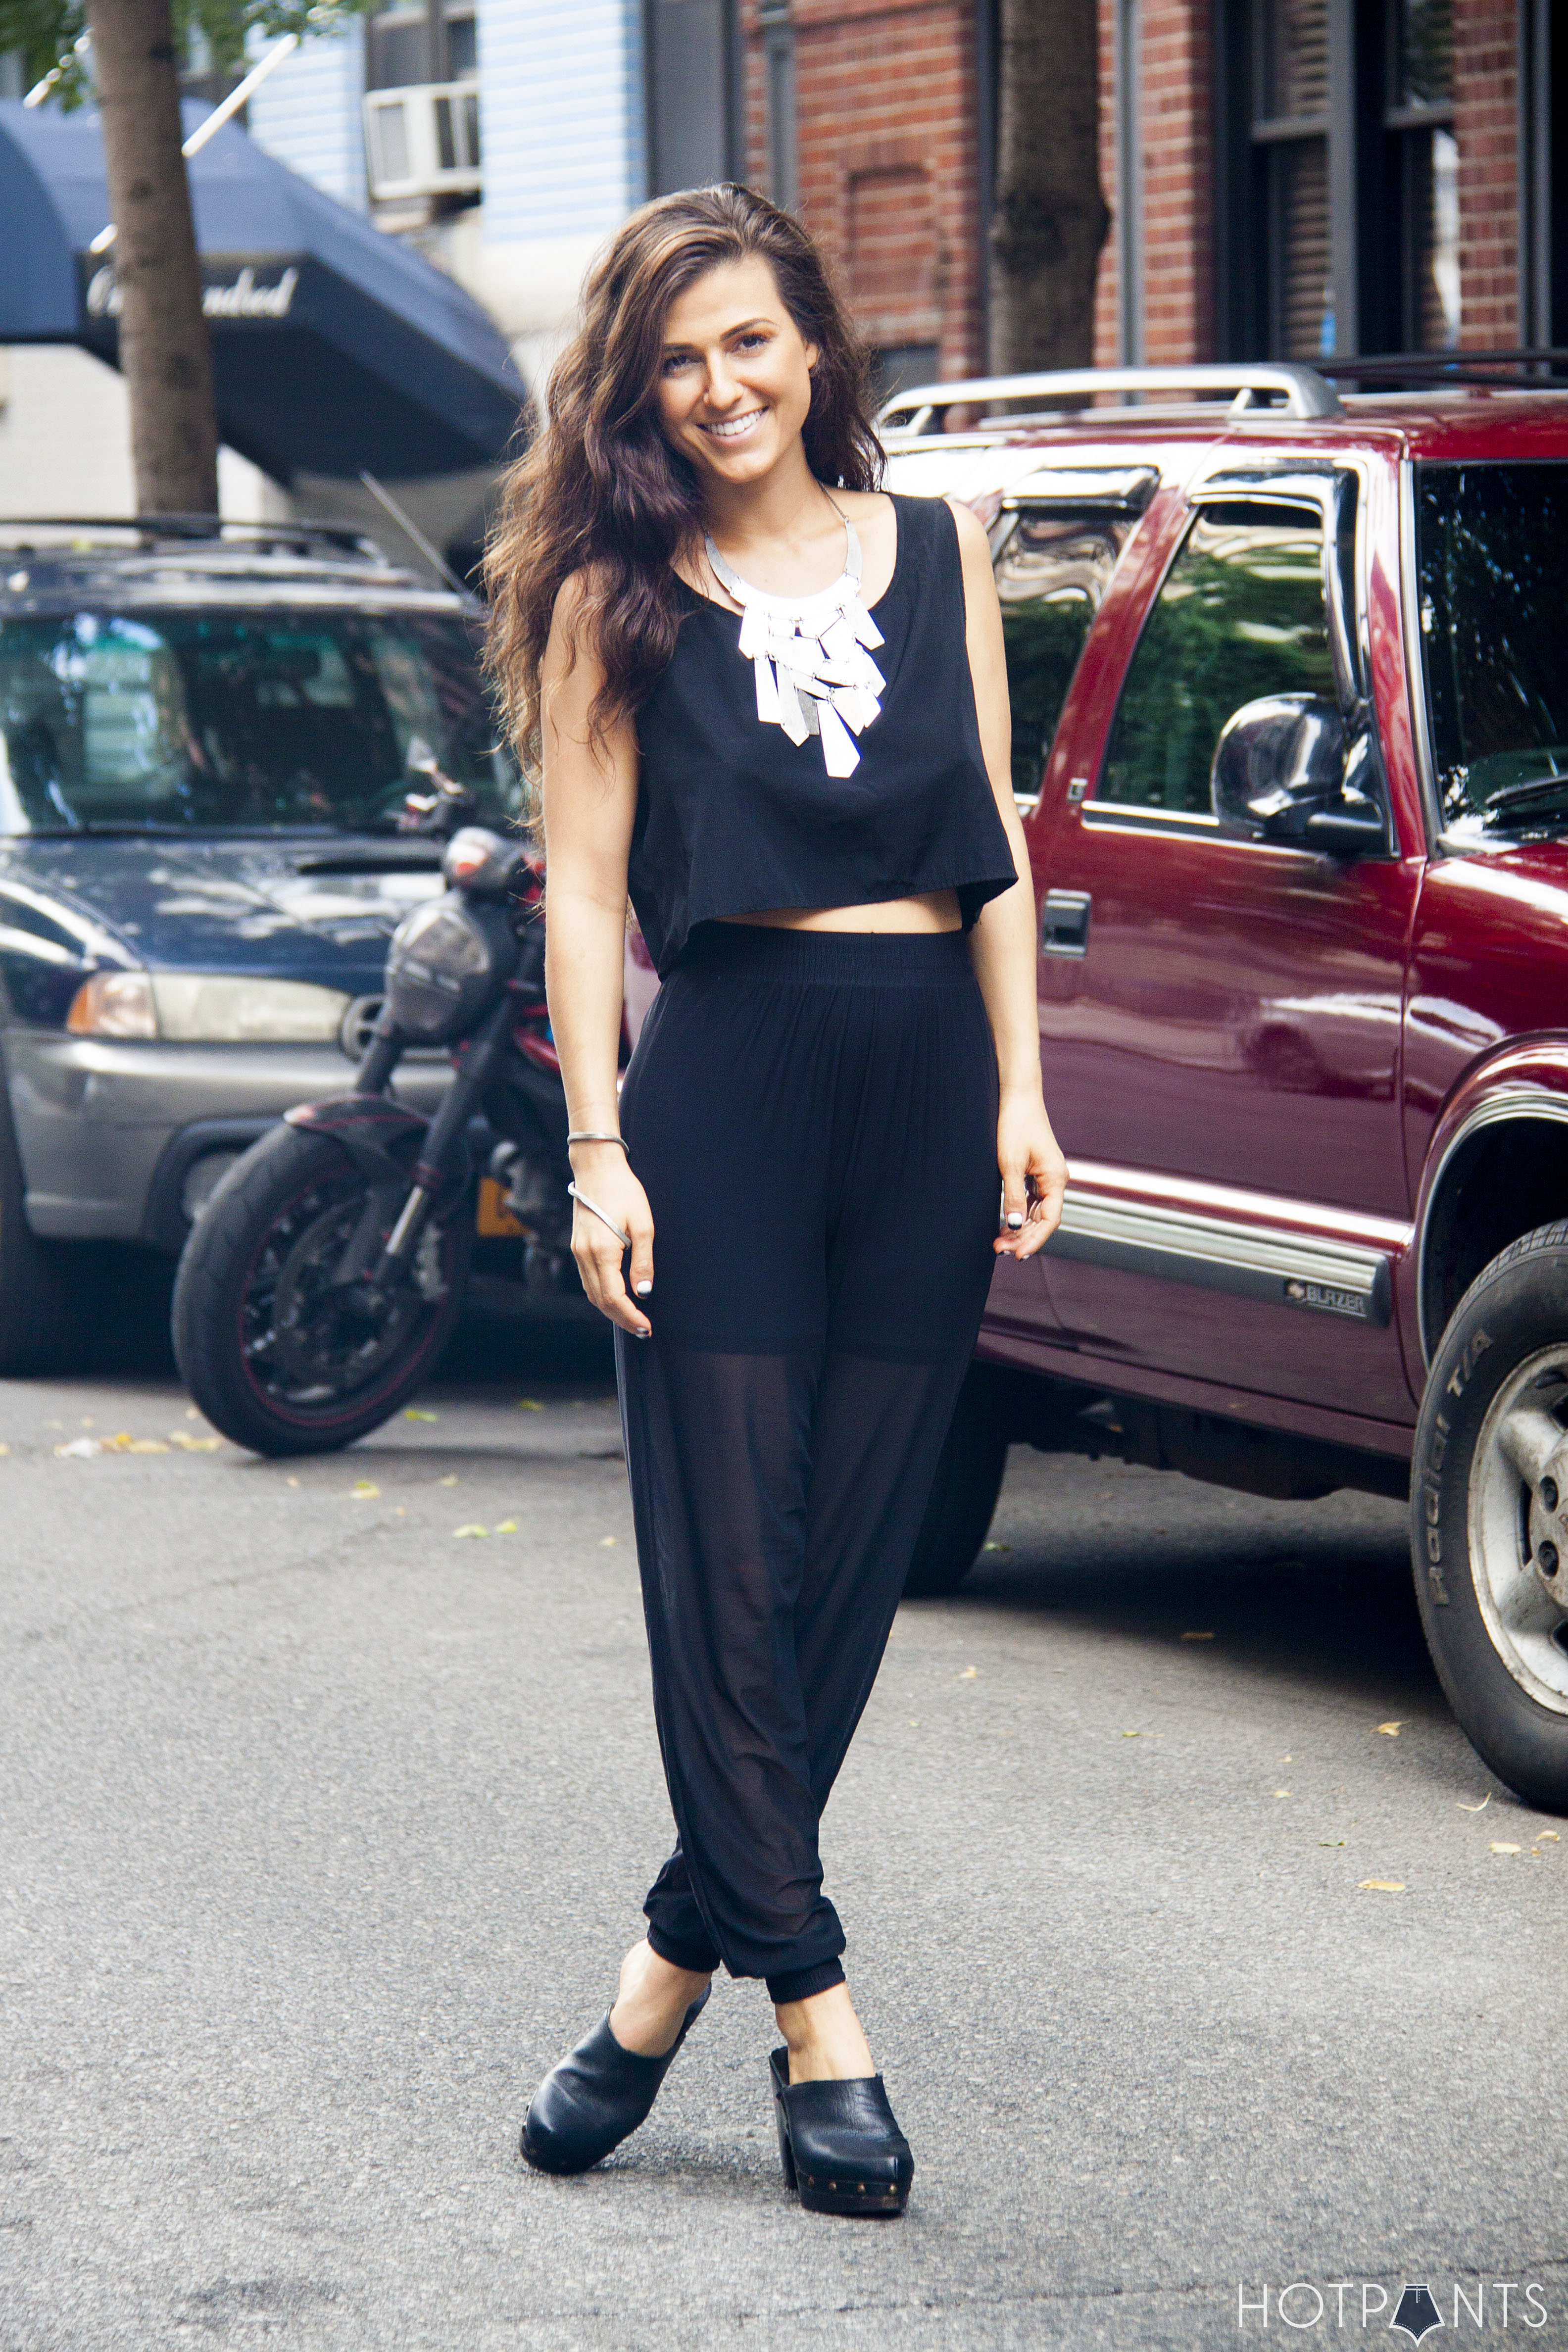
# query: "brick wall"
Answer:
x=1486 y=127
x=886 y=106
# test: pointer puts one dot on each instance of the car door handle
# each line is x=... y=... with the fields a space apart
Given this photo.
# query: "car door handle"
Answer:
x=1064 y=923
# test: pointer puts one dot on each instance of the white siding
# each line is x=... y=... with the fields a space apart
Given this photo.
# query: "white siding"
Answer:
x=308 y=115
x=561 y=116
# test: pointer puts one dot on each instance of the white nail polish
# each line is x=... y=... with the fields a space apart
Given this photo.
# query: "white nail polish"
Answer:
x=644 y=1288
x=1013 y=1220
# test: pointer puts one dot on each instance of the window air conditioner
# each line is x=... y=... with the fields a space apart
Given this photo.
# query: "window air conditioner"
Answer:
x=422 y=141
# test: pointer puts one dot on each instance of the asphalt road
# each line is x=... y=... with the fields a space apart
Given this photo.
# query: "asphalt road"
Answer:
x=326 y=1816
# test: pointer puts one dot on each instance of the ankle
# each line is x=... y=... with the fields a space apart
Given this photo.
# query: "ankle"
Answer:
x=824 y=2038
x=652 y=2000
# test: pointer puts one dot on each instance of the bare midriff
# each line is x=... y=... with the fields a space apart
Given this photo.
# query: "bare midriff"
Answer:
x=933 y=910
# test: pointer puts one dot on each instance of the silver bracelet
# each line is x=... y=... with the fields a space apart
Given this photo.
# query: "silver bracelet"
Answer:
x=603 y=1215
x=586 y=1134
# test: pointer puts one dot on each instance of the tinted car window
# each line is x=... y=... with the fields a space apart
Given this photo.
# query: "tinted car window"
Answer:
x=1241 y=614
x=216 y=719
x=1492 y=562
x=1051 y=577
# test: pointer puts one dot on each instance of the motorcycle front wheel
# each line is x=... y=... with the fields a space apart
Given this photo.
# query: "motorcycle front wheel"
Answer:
x=273 y=1353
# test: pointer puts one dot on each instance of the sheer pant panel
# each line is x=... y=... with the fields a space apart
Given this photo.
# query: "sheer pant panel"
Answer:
x=814 y=1118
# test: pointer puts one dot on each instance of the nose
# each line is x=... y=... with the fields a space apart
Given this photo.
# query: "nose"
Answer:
x=723 y=391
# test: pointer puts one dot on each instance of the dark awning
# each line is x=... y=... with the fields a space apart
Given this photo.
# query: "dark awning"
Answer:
x=335 y=348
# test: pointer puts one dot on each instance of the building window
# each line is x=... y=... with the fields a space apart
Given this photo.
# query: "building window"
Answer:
x=1340 y=179
x=1543 y=108
x=691 y=81
x=1418 y=119
x=778 y=75
x=1289 y=135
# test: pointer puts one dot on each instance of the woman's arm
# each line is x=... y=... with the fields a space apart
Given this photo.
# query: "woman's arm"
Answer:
x=1003 y=941
x=590 y=798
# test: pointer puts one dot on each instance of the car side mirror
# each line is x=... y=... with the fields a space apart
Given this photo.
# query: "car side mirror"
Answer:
x=1285 y=769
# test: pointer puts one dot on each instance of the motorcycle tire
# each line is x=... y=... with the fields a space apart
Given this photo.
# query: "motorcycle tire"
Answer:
x=306 y=1376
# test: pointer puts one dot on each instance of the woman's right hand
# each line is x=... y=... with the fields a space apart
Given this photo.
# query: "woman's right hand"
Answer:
x=602 y=1173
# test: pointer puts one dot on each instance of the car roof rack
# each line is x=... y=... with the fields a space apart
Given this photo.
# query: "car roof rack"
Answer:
x=188 y=529
x=1303 y=390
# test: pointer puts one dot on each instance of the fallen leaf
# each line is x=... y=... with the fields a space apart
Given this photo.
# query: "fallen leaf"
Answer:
x=969 y=1674
x=1331 y=1842
x=400 y=1513
x=997 y=1546
x=146 y=1446
x=1197 y=1637
x=449 y=1480
x=191 y=1413
x=1392 y=1730
x=189 y=1444
x=415 y=1412
x=914 y=1723
x=79 y=1449
x=1381 y=1886
x=119 y=1443
x=1281 y=1792
x=1286 y=1759
x=605 y=1542
x=470 y=1532
x=506 y=1526
x=291 y=1482
x=528 y=1404
x=3 y=1447
x=1486 y=1801
x=1549 y=1837
x=1132 y=1735
x=1501 y=1847
x=364 y=1490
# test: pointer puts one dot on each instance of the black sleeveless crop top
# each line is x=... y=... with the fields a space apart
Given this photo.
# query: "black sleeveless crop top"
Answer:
x=734 y=818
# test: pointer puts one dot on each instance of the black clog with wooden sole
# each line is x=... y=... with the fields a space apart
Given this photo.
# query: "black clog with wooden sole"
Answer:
x=841 y=2145
x=595 y=2098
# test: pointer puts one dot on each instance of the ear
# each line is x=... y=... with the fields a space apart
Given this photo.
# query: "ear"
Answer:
x=812 y=355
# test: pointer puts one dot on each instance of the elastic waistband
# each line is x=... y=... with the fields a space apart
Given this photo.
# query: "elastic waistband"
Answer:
x=830 y=958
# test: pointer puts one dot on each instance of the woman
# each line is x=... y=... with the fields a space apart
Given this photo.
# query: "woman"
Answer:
x=770 y=703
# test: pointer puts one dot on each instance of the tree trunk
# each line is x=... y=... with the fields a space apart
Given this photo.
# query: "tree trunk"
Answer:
x=164 y=354
x=1050 y=217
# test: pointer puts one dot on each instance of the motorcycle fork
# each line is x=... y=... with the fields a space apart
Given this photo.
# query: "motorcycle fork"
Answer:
x=445 y=1132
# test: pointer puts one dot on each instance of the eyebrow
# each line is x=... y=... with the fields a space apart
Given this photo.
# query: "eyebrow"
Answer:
x=743 y=328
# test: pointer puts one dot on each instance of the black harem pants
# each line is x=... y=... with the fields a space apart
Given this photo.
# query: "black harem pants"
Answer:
x=814 y=1116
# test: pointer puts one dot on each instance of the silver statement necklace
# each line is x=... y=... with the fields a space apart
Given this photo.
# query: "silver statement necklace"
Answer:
x=812 y=656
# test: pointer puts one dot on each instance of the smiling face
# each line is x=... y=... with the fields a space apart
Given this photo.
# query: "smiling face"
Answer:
x=734 y=384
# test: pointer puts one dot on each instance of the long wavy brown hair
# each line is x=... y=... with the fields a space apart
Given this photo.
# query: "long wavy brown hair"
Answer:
x=602 y=493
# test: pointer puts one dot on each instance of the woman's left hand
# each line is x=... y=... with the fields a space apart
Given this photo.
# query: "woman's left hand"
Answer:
x=1034 y=1177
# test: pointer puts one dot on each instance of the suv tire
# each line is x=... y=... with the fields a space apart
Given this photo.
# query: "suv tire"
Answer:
x=963 y=1493
x=1488 y=1502
x=43 y=1288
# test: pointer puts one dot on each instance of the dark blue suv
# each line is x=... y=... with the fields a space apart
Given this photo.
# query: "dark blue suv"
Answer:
x=213 y=743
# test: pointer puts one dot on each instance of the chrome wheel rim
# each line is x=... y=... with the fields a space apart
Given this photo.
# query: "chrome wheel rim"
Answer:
x=1519 y=1525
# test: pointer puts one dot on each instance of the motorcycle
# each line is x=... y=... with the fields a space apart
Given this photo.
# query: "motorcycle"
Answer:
x=330 y=1266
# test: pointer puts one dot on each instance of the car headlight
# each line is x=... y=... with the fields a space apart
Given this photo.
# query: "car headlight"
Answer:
x=206 y=1008
x=114 y=1004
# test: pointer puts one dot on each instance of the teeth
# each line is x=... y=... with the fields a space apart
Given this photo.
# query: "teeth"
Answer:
x=732 y=426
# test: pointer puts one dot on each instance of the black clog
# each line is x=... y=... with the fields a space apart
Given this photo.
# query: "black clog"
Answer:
x=840 y=2144
x=595 y=2098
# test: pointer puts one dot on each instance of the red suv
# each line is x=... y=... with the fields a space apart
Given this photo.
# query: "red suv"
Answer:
x=1290 y=689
